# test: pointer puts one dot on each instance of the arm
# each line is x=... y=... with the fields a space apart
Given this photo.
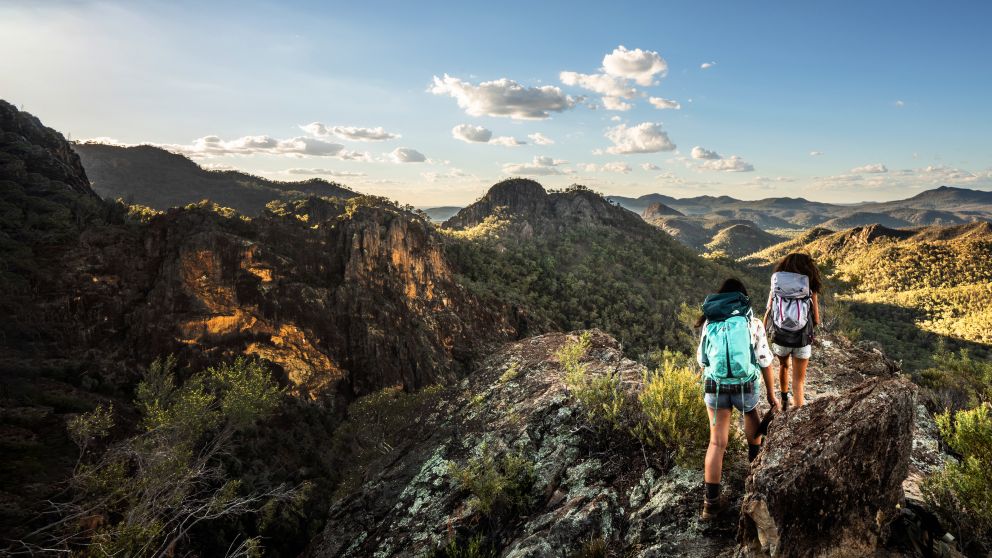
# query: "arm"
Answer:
x=816 y=309
x=759 y=342
x=768 y=310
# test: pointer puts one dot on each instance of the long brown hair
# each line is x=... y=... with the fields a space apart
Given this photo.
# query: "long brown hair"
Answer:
x=730 y=285
x=803 y=264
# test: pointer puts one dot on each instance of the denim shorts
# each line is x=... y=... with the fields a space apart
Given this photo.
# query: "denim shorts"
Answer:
x=732 y=398
x=799 y=352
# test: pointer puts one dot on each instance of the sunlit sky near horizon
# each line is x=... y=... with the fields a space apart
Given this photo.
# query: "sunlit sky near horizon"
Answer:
x=430 y=103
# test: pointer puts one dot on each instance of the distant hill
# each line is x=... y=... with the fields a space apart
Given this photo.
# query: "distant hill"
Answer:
x=573 y=259
x=151 y=176
x=659 y=209
x=741 y=239
x=941 y=206
x=441 y=214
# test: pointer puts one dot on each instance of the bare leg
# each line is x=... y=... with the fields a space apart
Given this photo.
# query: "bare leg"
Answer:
x=719 y=434
x=783 y=373
x=751 y=422
x=799 y=380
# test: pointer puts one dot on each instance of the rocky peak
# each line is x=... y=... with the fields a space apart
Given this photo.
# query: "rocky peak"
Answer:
x=659 y=209
x=37 y=149
x=530 y=210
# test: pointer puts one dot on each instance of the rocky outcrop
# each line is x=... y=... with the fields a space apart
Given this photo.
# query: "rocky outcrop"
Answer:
x=517 y=404
x=531 y=210
x=830 y=474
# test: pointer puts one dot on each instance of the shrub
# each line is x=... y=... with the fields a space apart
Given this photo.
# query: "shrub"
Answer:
x=500 y=486
x=142 y=495
x=474 y=547
x=674 y=415
x=962 y=492
x=959 y=380
x=600 y=395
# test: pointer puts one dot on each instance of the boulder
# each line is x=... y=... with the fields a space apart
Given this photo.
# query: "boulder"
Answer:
x=830 y=475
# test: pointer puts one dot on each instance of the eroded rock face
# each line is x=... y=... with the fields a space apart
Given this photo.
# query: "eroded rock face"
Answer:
x=831 y=473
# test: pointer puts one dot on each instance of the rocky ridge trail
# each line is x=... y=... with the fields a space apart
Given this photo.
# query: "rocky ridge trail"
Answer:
x=516 y=403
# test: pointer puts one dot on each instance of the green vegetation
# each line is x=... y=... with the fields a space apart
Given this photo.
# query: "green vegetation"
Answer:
x=666 y=412
x=500 y=485
x=474 y=547
x=958 y=380
x=378 y=423
x=589 y=276
x=962 y=492
x=147 y=492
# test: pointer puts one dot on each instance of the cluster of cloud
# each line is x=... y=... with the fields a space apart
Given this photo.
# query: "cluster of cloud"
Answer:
x=618 y=70
x=618 y=167
x=407 y=155
x=707 y=65
x=324 y=172
x=874 y=168
x=903 y=179
x=478 y=134
x=353 y=133
x=646 y=137
x=539 y=166
x=503 y=97
x=711 y=160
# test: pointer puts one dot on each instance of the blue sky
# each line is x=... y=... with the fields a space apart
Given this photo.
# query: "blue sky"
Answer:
x=839 y=101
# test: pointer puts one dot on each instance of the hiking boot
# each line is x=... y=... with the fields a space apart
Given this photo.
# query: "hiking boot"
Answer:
x=785 y=401
x=713 y=508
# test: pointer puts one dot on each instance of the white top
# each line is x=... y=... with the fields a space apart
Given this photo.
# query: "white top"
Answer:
x=759 y=342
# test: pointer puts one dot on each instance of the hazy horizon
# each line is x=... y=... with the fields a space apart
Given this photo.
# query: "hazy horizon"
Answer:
x=431 y=105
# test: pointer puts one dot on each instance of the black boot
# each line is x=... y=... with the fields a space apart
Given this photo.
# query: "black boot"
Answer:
x=785 y=400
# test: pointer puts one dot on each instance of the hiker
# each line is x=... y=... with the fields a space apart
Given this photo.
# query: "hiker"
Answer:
x=794 y=310
x=731 y=349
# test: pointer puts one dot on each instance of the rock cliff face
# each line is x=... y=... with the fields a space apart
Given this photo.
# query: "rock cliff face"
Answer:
x=517 y=404
x=344 y=299
x=31 y=148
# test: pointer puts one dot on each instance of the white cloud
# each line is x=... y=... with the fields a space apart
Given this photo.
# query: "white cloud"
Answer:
x=540 y=139
x=661 y=103
x=646 y=137
x=218 y=167
x=639 y=65
x=539 y=166
x=407 y=155
x=588 y=167
x=214 y=146
x=650 y=166
x=729 y=164
x=617 y=166
x=900 y=104
x=700 y=153
x=507 y=141
x=503 y=97
x=873 y=168
x=471 y=134
x=348 y=132
x=325 y=172
x=815 y=153
x=610 y=86
x=615 y=118
x=905 y=179
x=613 y=89
x=707 y=65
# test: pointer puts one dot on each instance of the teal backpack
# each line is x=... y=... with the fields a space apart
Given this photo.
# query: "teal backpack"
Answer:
x=730 y=357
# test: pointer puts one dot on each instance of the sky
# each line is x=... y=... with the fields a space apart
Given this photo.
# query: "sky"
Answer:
x=430 y=103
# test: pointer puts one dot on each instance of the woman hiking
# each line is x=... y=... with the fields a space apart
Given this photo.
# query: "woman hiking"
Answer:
x=793 y=310
x=732 y=349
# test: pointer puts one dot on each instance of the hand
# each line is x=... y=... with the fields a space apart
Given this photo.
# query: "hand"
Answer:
x=775 y=404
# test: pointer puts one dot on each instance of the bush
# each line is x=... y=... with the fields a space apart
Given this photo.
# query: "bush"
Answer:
x=500 y=486
x=143 y=495
x=474 y=547
x=959 y=380
x=601 y=395
x=962 y=492
x=674 y=415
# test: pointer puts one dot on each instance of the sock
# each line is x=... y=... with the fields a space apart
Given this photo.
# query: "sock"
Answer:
x=752 y=451
x=712 y=490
